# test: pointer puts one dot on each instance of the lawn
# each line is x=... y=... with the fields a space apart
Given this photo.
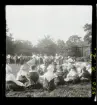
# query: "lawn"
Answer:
x=82 y=89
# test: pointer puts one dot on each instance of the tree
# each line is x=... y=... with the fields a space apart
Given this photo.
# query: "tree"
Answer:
x=72 y=45
x=47 y=45
x=60 y=46
x=23 y=47
x=88 y=30
x=74 y=39
x=9 y=42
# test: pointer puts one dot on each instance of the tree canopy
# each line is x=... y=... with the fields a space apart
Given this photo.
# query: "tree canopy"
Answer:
x=74 y=46
x=88 y=30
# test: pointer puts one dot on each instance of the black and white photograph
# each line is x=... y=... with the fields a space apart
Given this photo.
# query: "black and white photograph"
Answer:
x=48 y=50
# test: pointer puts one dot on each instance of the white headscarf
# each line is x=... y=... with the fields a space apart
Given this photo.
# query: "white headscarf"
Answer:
x=8 y=69
x=11 y=77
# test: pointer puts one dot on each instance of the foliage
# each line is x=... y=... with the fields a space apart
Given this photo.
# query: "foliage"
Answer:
x=88 y=30
x=74 y=46
x=47 y=45
x=9 y=42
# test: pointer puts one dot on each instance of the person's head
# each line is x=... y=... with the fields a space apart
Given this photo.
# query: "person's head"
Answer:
x=33 y=67
x=54 y=64
x=68 y=57
x=61 y=68
x=34 y=56
x=56 y=54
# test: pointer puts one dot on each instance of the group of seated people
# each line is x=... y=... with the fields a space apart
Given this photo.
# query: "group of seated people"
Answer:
x=48 y=77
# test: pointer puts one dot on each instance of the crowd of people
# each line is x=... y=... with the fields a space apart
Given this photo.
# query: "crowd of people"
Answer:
x=17 y=59
x=40 y=58
x=48 y=71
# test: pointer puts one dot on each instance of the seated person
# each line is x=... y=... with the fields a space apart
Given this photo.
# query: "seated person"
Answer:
x=28 y=75
x=11 y=82
x=72 y=76
x=33 y=75
x=84 y=75
x=47 y=80
x=59 y=75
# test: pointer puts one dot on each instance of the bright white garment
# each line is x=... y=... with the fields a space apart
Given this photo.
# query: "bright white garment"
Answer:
x=42 y=66
x=71 y=75
x=8 y=56
x=21 y=73
x=95 y=98
x=8 y=69
x=24 y=69
x=31 y=62
x=50 y=68
x=70 y=60
x=69 y=66
x=18 y=57
x=88 y=68
x=48 y=76
x=11 y=77
x=79 y=70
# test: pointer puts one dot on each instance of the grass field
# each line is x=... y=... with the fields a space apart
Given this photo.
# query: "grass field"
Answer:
x=82 y=89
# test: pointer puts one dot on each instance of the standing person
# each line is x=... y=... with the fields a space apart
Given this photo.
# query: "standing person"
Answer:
x=18 y=60
x=21 y=59
x=8 y=58
x=14 y=60
x=16 y=57
x=70 y=62
x=60 y=60
x=57 y=58
x=37 y=58
x=11 y=59
x=41 y=59
x=46 y=60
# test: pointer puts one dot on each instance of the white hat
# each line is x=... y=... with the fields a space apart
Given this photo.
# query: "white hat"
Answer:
x=70 y=60
x=33 y=56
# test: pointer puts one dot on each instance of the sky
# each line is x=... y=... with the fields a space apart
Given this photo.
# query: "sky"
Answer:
x=59 y=21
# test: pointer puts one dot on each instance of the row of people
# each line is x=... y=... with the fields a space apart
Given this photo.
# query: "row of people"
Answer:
x=39 y=57
x=17 y=59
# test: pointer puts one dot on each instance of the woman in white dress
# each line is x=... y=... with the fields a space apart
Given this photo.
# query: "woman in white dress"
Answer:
x=11 y=82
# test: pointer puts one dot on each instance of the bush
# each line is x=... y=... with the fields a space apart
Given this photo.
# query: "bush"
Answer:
x=87 y=58
x=83 y=59
x=80 y=59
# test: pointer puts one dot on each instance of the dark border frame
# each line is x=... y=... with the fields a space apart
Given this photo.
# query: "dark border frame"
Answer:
x=52 y=100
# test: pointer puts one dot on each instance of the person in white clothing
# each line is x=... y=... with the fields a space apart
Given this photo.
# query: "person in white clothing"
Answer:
x=47 y=80
x=8 y=59
x=11 y=82
x=72 y=76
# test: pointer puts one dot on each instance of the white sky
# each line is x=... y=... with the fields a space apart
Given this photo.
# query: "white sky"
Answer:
x=59 y=21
